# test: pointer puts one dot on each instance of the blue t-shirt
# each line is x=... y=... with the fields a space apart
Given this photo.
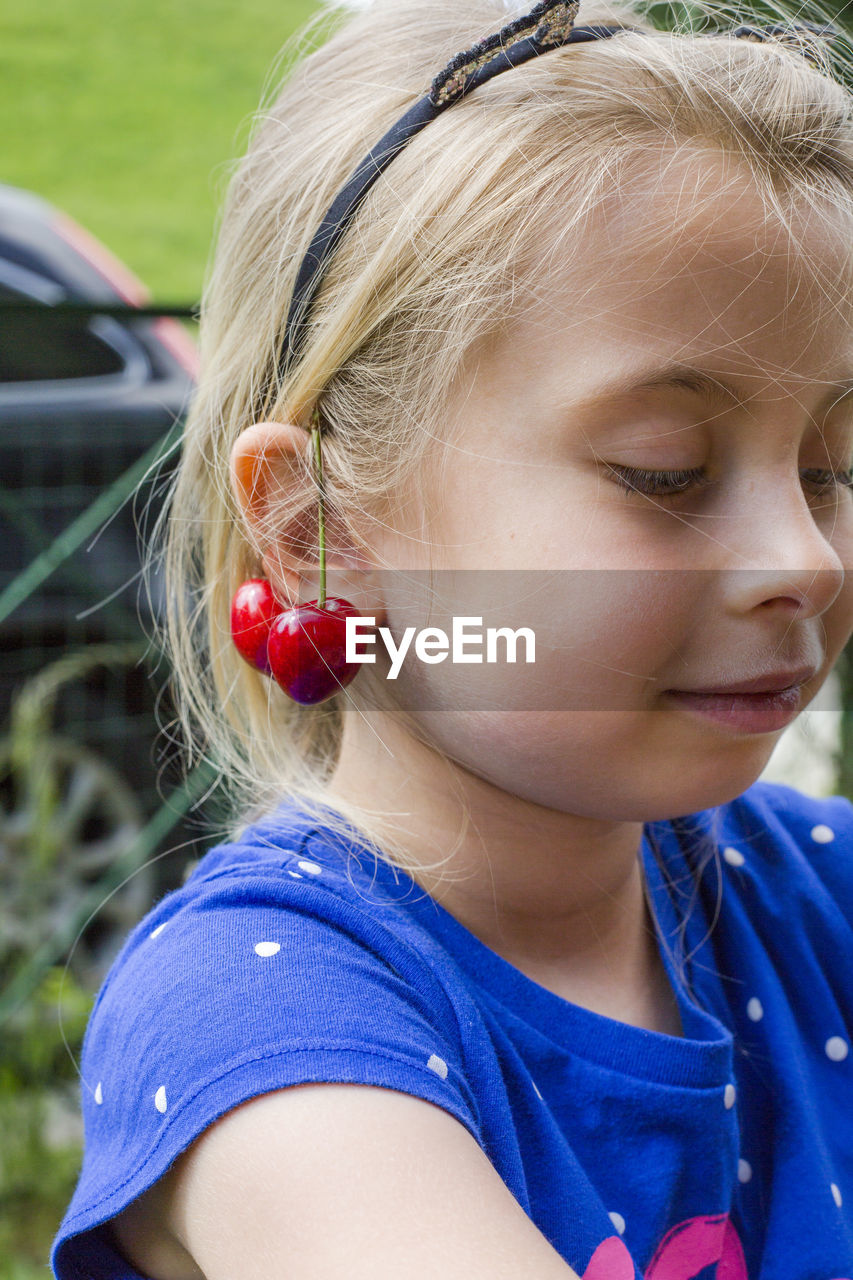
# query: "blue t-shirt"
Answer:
x=288 y=957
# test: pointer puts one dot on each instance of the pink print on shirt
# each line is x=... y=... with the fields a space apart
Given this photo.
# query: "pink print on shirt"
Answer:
x=611 y=1261
x=684 y=1251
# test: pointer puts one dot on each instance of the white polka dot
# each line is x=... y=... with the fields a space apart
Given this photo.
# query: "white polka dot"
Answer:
x=160 y=1098
x=836 y=1049
x=536 y=1091
x=156 y=932
x=822 y=834
x=438 y=1065
x=618 y=1222
x=734 y=857
x=296 y=875
x=311 y=867
x=99 y=1093
x=744 y=1171
x=729 y=1097
x=267 y=948
x=836 y=1193
x=754 y=1009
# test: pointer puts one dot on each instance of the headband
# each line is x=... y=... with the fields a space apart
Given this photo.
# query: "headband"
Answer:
x=549 y=25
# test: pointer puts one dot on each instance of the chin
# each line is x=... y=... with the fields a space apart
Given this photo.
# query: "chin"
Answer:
x=675 y=786
x=709 y=787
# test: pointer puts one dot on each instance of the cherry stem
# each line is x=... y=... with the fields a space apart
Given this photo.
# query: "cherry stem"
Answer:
x=321 y=517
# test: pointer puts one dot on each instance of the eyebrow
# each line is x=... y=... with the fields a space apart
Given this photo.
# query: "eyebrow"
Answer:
x=717 y=392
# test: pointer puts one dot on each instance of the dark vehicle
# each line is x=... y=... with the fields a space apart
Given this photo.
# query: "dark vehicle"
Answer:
x=84 y=398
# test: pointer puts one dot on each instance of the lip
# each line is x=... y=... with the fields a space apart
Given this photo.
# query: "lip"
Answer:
x=764 y=704
x=775 y=682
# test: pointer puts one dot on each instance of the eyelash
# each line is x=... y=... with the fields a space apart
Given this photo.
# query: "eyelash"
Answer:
x=670 y=484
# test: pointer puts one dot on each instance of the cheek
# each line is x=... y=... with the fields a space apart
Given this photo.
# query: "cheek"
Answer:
x=609 y=634
x=600 y=638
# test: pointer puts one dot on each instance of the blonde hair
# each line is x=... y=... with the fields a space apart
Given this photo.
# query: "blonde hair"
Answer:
x=431 y=265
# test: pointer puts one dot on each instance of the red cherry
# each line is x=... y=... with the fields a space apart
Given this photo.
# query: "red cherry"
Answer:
x=253 y=611
x=307 y=650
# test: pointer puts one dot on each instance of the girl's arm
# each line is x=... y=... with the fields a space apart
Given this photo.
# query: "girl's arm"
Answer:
x=321 y=1181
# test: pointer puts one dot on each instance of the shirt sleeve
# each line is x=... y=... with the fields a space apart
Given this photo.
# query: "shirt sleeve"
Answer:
x=245 y=983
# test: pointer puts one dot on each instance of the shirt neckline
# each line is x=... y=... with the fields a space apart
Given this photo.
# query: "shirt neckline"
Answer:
x=700 y=1058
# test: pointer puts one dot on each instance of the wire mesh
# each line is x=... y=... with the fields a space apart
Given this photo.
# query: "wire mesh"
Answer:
x=80 y=480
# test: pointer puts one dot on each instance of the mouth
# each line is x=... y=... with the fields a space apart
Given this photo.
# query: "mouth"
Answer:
x=764 y=704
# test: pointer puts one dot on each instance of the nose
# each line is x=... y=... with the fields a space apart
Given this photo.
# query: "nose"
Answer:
x=779 y=551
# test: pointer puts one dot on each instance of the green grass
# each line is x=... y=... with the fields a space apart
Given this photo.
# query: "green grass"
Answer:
x=127 y=114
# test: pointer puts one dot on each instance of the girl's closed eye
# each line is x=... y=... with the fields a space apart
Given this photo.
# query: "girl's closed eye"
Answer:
x=824 y=480
x=657 y=483
x=668 y=484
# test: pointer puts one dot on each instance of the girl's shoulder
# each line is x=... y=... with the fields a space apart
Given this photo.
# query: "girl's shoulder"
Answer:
x=778 y=900
x=794 y=808
x=288 y=871
x=280 y=961
x=774 y=827
x=763 y=882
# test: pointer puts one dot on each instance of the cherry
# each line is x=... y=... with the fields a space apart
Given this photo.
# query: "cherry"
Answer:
x=307 y=650
x=253 y=611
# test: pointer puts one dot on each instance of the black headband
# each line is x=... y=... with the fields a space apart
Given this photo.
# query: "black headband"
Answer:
x=549 y=25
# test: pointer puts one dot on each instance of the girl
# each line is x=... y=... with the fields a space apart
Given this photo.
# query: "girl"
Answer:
x=510 y=968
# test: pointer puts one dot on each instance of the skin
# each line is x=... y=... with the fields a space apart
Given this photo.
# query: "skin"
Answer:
x=718 y=584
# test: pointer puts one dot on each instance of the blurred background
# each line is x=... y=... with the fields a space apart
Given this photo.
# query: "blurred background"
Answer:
x=122 y=120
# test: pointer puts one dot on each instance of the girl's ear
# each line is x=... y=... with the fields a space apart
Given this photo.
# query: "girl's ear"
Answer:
x=271 y=462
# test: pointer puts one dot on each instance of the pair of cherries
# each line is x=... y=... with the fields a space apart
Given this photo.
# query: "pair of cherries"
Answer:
x=303 y=648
